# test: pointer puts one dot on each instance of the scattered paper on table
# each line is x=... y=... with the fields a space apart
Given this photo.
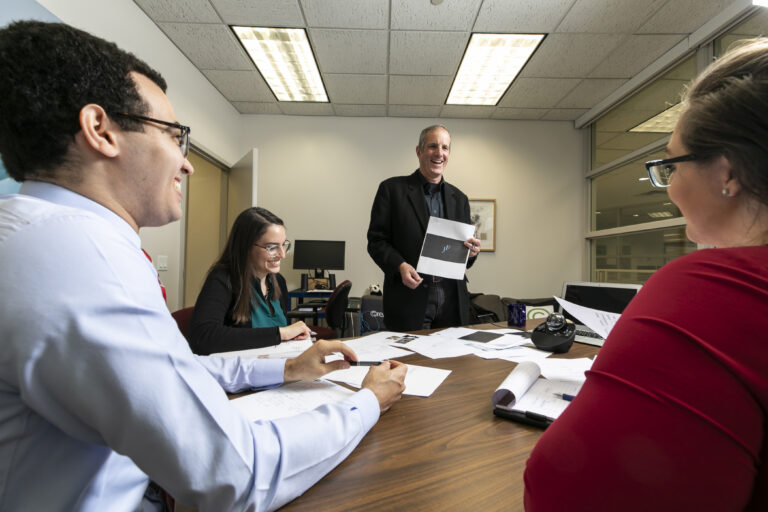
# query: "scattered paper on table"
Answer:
x=284 y=350
x=290 y=399
x=419 y=380
x=599 y=321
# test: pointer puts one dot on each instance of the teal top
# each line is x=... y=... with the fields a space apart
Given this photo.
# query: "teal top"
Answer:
x=266 y=312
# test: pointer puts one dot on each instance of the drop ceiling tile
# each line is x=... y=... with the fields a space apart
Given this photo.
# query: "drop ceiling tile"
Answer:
x=467 y=111
x=190 y=11
x=240 y=85
x=426 y=53
x=347 y=13
x=608 y=16
x=521 y=16
x=634 y=55
x=306 y=109
x=260 y=13
x=247 y=107
x=419 y=90
x=570 y=55
x=350 y=51
x=208 y=46
x=413 y=111
x=422 y=15
x=563 y=114
x=537 y=92
x=519 y=113
x=683 y=16
x=360 y=110
x=590 y=92
x=356 y=89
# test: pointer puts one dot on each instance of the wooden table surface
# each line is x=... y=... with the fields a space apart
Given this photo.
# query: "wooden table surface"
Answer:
x=439 y=453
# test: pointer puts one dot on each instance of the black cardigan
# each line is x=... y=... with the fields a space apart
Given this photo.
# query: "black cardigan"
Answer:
x=212 y=329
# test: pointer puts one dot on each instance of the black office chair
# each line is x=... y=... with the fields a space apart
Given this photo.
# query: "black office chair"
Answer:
x=334 y=310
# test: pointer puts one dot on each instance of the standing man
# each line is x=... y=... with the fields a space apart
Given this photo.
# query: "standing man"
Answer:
x=99 y=390
x=399 y=219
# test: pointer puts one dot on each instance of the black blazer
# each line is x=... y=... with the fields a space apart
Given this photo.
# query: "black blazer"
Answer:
x=211 y=328
x=399 y=218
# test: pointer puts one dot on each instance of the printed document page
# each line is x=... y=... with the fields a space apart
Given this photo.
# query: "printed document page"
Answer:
x=599 y=321
x=443 y=252
x=290 y=399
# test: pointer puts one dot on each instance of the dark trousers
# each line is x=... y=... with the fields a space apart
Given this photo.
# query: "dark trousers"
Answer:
x=442 y=303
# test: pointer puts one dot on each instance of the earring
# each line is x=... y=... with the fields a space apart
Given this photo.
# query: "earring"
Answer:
x=726 y=192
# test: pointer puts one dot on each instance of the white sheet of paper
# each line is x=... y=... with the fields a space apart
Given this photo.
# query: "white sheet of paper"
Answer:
x=450 y=229
x=419 y=380
x=599 y=321
x=291 y=399
x=437 y=347
x=284 y=350
x=565 y=369
x=514 y=354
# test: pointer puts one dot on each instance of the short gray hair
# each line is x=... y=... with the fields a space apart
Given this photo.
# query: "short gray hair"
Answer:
x=428 y=129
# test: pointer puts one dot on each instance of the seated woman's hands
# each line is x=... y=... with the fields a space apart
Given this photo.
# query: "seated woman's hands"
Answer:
x=295 y=331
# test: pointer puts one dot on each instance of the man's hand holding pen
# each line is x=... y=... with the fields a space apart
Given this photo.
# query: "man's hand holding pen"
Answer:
x=386 y=380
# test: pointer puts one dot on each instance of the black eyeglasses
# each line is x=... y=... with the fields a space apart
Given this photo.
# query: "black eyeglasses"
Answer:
x=660 y=170
x=183 y=136
x=272 y=249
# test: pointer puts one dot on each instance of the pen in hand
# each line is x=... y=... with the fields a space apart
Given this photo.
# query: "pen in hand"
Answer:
x=565 y=396
x=364 y=363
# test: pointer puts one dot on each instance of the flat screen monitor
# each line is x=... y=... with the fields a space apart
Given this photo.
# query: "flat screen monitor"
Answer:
x=319 y=254
x=612 y=297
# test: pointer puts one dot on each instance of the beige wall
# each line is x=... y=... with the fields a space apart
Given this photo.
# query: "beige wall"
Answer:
x=320 y=175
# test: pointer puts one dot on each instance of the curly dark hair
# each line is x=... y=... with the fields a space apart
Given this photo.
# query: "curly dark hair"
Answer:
x=247 y=229
x=48 y=72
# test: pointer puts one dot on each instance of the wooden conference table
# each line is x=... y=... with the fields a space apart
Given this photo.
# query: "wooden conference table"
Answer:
x=441 y=453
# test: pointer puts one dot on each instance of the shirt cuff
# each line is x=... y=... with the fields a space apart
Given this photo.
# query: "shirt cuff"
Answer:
x=368 y=405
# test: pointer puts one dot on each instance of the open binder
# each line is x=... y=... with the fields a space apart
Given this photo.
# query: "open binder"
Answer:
x=526 y=398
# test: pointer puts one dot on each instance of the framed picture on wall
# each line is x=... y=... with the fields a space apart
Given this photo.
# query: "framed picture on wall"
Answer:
x=482 y=212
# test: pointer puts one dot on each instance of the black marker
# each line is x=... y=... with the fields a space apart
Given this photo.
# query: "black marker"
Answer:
x=364 y=363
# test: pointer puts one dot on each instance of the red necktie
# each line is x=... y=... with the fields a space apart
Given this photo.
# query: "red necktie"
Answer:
x=162 y=288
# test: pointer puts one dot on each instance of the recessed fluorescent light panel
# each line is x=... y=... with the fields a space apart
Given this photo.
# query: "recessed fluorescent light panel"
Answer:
x=663 y=122
x=285 y=60
x=490 y=63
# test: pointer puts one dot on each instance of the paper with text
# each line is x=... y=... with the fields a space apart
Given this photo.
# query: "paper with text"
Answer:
x=290 y=399
x=599 y=321
x=524 y=391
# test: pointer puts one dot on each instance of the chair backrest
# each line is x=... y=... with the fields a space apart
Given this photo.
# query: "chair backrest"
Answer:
x=337 y=305
x=183 y=318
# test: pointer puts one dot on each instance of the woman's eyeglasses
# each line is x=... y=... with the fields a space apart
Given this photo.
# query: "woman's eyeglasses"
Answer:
x=274 y=249
x=660 y=170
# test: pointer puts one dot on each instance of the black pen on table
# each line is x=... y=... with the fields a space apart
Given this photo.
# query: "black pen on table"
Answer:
x=565 y=396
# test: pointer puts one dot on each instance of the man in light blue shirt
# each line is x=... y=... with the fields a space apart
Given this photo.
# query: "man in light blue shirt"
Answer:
x=98 y=389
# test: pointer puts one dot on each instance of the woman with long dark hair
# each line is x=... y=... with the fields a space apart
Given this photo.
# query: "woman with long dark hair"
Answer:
x=244 y=299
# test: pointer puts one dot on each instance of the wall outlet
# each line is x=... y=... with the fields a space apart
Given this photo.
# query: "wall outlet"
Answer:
x=162 y=262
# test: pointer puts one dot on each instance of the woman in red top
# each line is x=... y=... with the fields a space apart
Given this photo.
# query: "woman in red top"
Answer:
x=673 y=413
